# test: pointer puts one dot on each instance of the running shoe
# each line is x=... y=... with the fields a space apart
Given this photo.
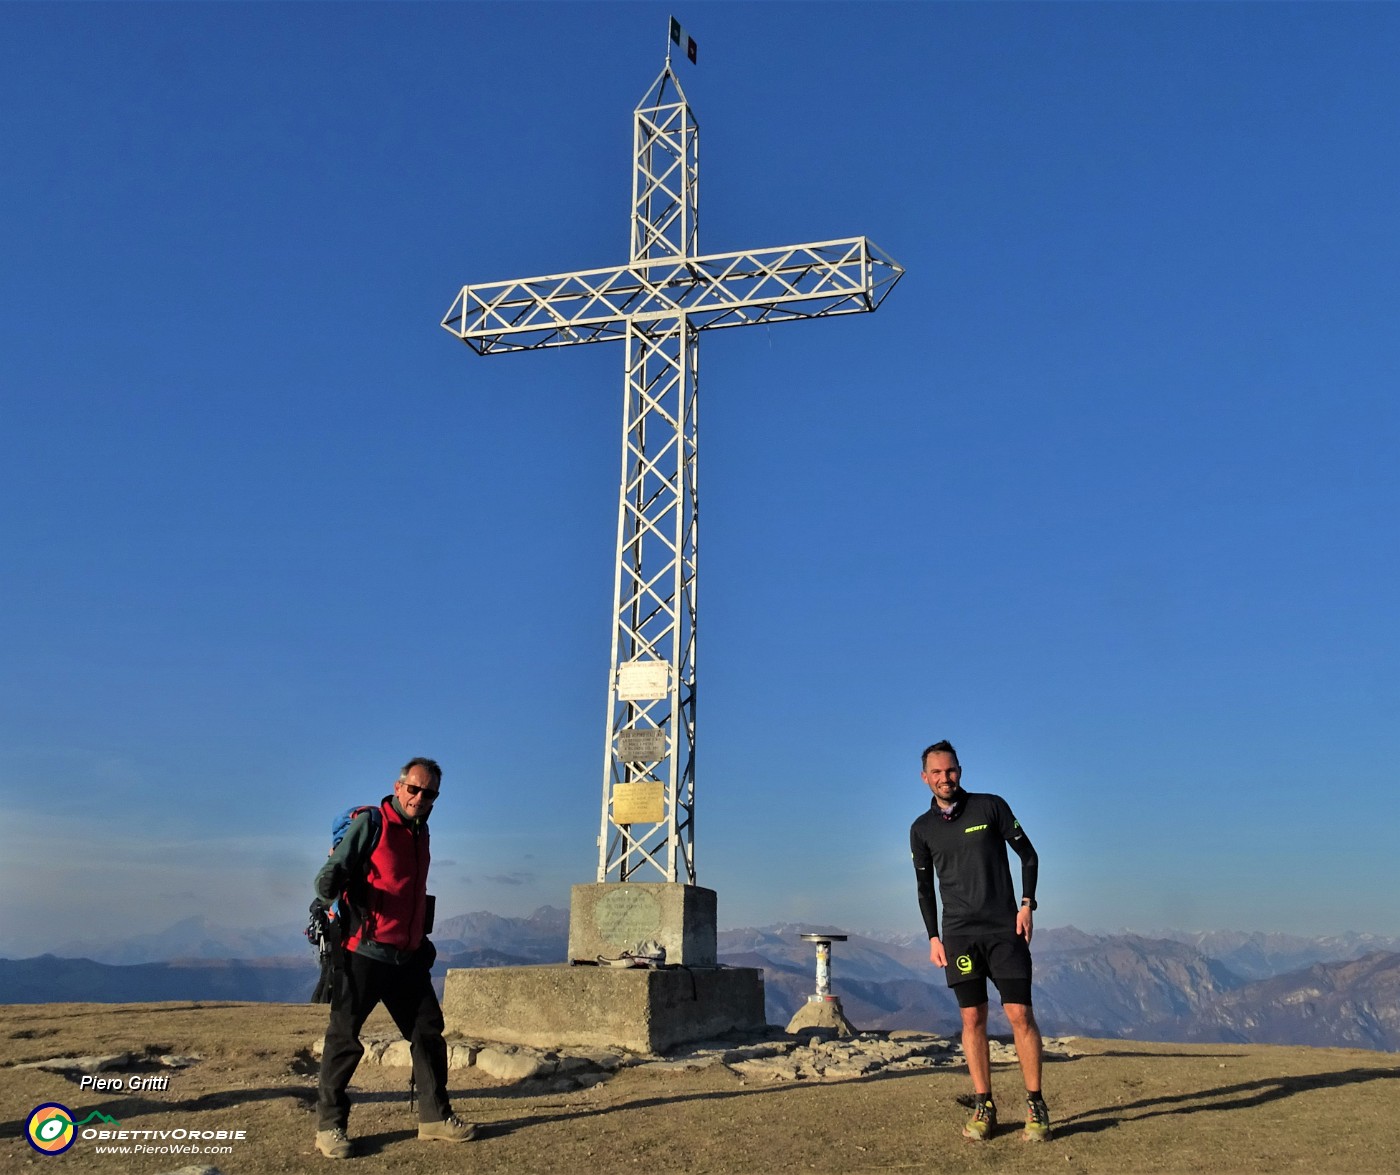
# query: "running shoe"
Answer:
x=1037 y=1121
x=984 y=1122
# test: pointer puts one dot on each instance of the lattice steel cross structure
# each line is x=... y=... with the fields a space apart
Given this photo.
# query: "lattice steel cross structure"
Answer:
x=658 y=304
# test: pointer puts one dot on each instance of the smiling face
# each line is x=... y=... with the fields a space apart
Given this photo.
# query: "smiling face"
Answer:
x=416 y=792
x=943 y=774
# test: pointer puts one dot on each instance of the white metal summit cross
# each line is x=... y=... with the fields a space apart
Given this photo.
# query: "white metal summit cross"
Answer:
x=658 y=304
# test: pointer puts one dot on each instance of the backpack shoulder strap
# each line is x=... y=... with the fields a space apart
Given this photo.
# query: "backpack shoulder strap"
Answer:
x=376 y=824
x=349 y=906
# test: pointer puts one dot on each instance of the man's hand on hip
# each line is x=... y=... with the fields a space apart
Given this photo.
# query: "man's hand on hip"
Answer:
x=1023 y=924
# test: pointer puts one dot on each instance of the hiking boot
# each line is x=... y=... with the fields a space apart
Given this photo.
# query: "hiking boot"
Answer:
x=450 y=1129
x=1037 y=1121
x=333 y=1143
x=984 y=1122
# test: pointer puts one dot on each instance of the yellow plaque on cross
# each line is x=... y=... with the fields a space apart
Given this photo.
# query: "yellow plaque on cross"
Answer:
x=639 y=803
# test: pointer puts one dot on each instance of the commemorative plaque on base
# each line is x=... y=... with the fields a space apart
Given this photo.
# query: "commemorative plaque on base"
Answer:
x=609 y=918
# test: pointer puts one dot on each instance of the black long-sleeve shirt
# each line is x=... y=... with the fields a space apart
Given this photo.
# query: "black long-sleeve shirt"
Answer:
x=968 y=855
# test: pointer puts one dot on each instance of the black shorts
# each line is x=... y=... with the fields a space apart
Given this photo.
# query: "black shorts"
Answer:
x=1004 y=959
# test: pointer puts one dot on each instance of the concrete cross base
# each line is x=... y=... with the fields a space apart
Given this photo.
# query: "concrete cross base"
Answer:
x=823 y=1013
x=638 y=1009
x=610 y=917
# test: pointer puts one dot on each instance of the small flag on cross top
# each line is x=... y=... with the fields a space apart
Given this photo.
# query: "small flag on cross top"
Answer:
x=680 y=37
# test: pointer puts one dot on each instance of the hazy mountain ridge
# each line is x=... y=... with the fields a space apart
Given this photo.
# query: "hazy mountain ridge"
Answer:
x=543 y=937
x=1107 y=986
x=195 y=937
x=858 y=958
x=1167 y=987
x=48 y=979
x=1123 y=985
x=1084 y=983
x=1352 y=1004
x=1255 y=955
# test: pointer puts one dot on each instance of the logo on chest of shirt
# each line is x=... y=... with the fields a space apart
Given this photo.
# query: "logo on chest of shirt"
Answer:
x=975 y=828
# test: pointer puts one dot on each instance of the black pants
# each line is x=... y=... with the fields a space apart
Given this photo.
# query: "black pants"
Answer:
x=406 y=990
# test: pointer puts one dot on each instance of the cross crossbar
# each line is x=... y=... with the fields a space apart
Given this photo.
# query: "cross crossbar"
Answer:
x=818 y=280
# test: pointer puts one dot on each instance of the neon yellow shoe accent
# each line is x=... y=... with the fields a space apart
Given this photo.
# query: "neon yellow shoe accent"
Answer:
x=1037 y=1122
x=984 y=1122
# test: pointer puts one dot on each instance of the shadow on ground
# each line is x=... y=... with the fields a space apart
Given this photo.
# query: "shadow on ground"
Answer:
x=1240 y=1096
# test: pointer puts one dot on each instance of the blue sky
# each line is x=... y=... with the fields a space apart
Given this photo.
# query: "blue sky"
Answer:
x=1106 y=492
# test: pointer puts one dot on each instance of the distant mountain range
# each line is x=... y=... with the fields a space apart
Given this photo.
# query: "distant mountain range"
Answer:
x=1355 y=1004
x=1262 y=956
x=191 y=938
x=48 y=979
x=1340 y=990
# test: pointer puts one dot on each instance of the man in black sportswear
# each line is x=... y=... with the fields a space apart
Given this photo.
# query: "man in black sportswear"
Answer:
x=962 y=840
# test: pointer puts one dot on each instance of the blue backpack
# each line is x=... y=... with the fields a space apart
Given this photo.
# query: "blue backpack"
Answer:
x=330 y=927
x=339 y=827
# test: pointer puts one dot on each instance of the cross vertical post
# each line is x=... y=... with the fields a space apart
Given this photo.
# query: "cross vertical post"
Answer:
x=648 y=810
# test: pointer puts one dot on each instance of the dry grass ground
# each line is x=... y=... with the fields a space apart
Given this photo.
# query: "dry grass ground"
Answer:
x=1118 y=1107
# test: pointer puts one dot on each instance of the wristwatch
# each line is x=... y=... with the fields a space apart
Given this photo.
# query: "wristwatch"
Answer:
x=1029 y=902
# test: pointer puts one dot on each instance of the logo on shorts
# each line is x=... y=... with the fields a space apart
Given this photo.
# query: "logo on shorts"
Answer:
x=964 y=964
x=49 y=1128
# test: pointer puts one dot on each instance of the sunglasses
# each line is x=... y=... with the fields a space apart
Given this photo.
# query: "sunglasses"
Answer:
x=429 y=794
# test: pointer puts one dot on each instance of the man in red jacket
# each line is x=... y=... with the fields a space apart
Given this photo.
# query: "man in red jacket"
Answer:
x=380 y=870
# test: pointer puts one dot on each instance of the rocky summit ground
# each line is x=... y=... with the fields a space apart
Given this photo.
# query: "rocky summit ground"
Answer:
x=878 y=1104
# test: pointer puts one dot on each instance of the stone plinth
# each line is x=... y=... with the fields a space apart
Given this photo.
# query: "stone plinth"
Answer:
x=612 y=917
x=821 y=1013
x=639 y=1009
